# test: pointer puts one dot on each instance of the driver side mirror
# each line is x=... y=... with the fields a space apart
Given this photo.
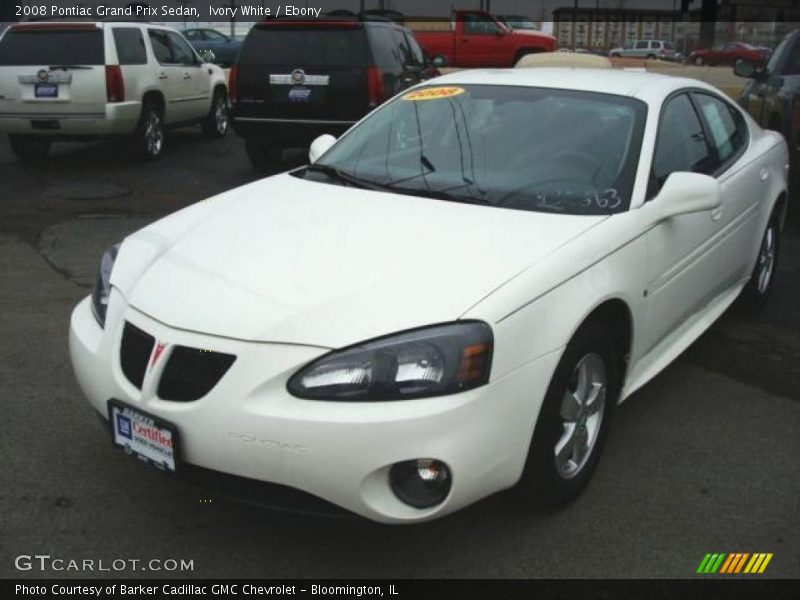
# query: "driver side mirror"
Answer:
x=320 y=146
x=744 y=68
x=439 y=61
x=685 y=193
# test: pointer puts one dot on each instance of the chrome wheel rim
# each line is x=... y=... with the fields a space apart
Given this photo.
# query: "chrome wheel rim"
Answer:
x=766 y=260
x=582 y=409
x=154 y=134
x=221 y=116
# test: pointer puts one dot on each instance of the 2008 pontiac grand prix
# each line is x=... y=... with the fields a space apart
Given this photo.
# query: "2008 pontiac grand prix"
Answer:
x=448 y=301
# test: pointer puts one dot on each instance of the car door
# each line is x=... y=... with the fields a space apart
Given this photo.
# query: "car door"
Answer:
x=195 y=76
x=683 y=262
x=170 y=77
x=743 y=184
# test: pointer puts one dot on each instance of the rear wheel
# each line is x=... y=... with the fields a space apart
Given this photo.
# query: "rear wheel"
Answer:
x=216 y=123
x=30 y=149
x=150 y=135
x=757 y=291
x=574 y=418
x=698 y=60
x=262 y=154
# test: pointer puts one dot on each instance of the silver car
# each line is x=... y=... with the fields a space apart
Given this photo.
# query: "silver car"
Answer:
x=645 y=49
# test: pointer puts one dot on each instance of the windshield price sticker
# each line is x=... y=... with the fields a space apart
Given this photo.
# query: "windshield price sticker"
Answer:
x=434 y=93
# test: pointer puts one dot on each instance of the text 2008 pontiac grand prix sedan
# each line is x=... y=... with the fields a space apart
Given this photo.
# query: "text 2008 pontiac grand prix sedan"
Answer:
x=450 y=300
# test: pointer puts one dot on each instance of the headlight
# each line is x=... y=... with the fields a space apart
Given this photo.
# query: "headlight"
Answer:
x=438 y=360
x=102 y=285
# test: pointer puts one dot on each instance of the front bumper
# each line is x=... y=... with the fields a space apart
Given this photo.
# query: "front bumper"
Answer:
x=250 y=426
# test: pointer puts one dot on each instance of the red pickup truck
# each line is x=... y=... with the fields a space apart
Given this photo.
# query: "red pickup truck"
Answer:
x=474 y=38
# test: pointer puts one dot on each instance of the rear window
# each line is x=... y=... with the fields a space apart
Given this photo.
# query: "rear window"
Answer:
x=130 y=46
x=300 y=46
x=52 y=47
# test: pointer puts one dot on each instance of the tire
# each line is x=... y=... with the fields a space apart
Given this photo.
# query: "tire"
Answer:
x=217 y=121
x=150 y=134
x=615 y=55
x=30 y=149
x=757 y=291
x=262 y=154
x=698 y=61
x=651 y=57
x=569 y=436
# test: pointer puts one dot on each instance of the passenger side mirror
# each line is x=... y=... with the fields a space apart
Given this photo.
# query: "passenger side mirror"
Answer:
x=320 y=146
x=439 y=61
x=686 y=193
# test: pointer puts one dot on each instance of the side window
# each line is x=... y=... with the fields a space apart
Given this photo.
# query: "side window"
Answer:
x=681 y=144
x=130 y=46
x=655 y=45
x=475 y=24
x=417 y=56
x=194 y=35
x=641 y=45
x=401 y=51
x=792 y=64
x=160 y=46
x=180 y=49
x=382 y=47
x=215 y=36
x=727 y=128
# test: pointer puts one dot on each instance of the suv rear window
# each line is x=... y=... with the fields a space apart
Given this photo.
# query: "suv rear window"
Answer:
x=299 y=45
x=27 y=47
x=130 y=46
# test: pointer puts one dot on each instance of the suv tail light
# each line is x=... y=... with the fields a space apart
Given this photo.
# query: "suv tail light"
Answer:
x=376 y=91
x=115 y=86
x=232 y=77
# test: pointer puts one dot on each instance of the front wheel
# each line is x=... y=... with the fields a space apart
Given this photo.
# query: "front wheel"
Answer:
x=216 y=123
x=574 y=419
x=30 y=149
x=757 y=291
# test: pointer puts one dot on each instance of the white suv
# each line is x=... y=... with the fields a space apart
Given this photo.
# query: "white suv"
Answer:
x=67 y=81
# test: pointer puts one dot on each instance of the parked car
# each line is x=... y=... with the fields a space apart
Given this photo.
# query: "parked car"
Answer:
x=224 y=48
x=772 y=96
x=477 y=39
x=296 y=79
x=75 y=81
x=519 y=22
x=645 y=49
x=728 y=54
x=449 y=300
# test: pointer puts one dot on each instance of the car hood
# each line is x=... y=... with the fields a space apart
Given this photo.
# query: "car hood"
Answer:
x=295 y=261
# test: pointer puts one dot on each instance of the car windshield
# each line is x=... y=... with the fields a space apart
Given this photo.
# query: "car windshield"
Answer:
x=524 y=148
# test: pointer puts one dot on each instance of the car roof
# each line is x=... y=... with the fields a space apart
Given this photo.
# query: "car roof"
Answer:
x=649 y=87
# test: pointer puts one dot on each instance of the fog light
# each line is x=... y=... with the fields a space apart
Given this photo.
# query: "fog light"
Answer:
x=420 y=483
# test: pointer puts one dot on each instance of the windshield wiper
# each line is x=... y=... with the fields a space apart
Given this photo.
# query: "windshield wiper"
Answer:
x=340 y=175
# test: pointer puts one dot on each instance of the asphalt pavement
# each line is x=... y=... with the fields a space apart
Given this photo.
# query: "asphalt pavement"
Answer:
x=703 y=459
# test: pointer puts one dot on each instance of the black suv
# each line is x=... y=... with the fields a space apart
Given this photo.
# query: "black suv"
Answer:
x=295 y=80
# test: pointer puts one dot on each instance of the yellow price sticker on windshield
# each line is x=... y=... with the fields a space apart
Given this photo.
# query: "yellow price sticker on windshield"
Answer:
x=434 y=93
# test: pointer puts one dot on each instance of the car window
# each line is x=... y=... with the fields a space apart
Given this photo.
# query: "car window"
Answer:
x=193 y=35
x=641 y=45
x=522 y=148
x=182 y=52
x=215 y=36
x=726 y=126
x=792 y=64
x=52 y=46
x=656 y=45
x=161 y=47
x=400 y=47
x=417 y=56
x=627 y=46
x=130 y=46
x=292 y=46
x=476 y=24
x=681 y=144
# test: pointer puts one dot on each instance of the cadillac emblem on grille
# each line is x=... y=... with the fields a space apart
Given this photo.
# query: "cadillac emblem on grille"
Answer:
x=298 y=77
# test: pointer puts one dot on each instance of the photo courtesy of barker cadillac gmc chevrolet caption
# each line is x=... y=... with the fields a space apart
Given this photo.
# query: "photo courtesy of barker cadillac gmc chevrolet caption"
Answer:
x=399 y=298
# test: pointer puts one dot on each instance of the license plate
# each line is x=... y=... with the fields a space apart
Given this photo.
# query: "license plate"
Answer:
x=45 y=90
x=150 y=439
x=299 y=94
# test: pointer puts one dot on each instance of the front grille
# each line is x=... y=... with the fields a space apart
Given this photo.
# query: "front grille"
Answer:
x=191 y=373
x=134 y=353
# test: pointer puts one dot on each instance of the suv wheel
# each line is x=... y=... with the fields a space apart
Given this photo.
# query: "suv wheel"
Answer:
x=574 y=418
x=216 y=123
x=30 y=149
x=262 y=154
x=149 y=136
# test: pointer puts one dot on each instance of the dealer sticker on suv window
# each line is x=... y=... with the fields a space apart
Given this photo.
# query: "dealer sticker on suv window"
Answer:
x=150 y=439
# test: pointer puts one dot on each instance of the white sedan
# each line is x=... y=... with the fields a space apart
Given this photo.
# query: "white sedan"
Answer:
x=448 y=301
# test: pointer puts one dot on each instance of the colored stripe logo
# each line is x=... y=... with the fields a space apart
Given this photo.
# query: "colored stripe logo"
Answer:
x=734 y=563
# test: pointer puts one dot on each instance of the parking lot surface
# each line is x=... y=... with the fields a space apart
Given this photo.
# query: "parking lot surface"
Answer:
x=703 y=459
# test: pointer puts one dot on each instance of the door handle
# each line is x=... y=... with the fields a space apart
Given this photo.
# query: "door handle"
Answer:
x=763 y=174
x=162 y=76
x=716 y=214
x=187 y=76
